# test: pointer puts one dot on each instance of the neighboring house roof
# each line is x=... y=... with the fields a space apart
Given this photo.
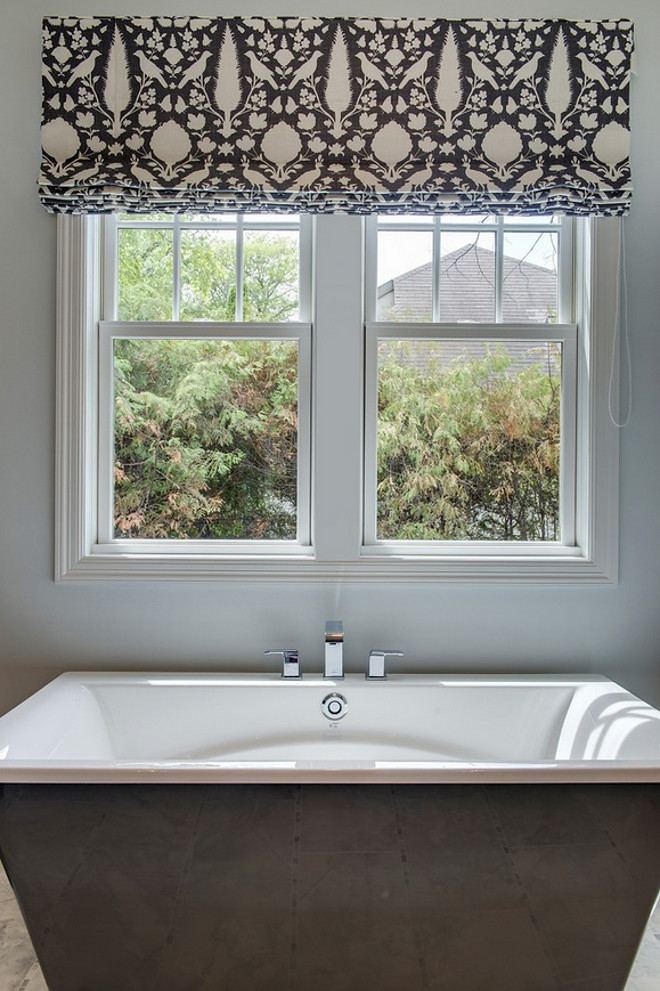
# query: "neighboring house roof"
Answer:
x=467 y=293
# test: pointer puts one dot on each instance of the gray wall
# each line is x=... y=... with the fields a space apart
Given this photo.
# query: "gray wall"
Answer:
x=47 y=628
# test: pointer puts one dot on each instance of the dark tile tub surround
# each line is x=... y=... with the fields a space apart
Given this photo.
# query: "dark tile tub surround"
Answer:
x=333 y=888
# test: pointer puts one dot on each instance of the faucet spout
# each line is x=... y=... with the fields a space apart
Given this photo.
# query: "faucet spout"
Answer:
x=334 y=649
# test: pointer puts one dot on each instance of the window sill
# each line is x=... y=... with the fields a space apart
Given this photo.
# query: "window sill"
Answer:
x=130 y=566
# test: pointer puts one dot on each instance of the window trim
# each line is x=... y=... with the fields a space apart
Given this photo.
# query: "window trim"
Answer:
x=79 y=558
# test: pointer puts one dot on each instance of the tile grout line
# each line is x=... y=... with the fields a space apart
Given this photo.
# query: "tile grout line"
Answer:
x=295 y=878
x=183 y=877
x=499 y=830
x=403 y=853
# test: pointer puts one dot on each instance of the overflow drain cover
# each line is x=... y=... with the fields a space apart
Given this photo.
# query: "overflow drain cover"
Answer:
x=334 y=706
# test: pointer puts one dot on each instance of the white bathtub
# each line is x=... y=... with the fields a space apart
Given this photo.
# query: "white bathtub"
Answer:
x=169 y=727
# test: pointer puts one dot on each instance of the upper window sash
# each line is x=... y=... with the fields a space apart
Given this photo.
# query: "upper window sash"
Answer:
x=498 y=227
x=237 y=225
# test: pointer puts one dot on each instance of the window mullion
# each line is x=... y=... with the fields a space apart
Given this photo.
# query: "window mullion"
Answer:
x=436 y=270
x=176 y=269
x=240 y=257
x=499 y=269
x=338 y=378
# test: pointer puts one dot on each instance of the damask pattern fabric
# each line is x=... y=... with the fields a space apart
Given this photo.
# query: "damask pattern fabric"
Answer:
x=335 y=114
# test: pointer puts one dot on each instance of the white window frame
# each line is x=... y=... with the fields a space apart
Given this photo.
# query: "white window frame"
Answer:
x=338 y=550
x=564 y=334
x=109 y=332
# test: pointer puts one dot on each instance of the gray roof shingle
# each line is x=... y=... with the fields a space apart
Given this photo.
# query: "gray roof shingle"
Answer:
x=467 y=292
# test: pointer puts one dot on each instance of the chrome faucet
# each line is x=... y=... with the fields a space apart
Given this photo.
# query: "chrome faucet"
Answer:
x=377 y=660
x=334 y=649
x=290 y=662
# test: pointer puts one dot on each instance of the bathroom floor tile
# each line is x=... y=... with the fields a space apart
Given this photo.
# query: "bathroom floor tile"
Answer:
x=33 y=980
x=655 y=918
x=17 y=960
x=16 y=952
x=645 y=974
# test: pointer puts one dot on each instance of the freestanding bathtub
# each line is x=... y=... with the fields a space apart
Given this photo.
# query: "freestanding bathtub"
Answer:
x=176 y=832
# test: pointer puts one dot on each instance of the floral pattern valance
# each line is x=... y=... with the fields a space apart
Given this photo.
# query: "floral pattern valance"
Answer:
x=335 y=114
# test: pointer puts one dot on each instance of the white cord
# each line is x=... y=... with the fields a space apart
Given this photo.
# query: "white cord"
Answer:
x=621 y=331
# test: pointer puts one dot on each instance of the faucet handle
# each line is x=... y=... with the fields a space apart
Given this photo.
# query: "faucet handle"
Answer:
x=290 y=662
x=376 y=670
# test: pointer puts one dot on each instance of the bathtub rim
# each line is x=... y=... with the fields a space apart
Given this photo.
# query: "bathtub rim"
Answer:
x=555 y=771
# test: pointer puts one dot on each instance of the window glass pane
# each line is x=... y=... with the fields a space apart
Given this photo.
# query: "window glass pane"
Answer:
x=270 y=282
x=404 y=276
x=205 y=439
x=468 y=440
x=529 y=278
x=145 y=274
x=208 y=275
x=467 y=277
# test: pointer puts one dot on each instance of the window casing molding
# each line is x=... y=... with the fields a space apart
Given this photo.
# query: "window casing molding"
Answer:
x=337 y=552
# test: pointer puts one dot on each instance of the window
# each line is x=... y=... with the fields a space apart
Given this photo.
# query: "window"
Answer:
x=470 y=385
x=438 y=413
x=204 y=378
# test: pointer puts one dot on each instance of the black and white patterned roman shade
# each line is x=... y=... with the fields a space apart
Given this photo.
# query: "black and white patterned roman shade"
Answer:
x=335 y=114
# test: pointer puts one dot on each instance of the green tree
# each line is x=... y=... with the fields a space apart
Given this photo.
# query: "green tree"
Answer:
x=206 y=431
x=208 y=275
x=205 y=439
x=469 y=450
